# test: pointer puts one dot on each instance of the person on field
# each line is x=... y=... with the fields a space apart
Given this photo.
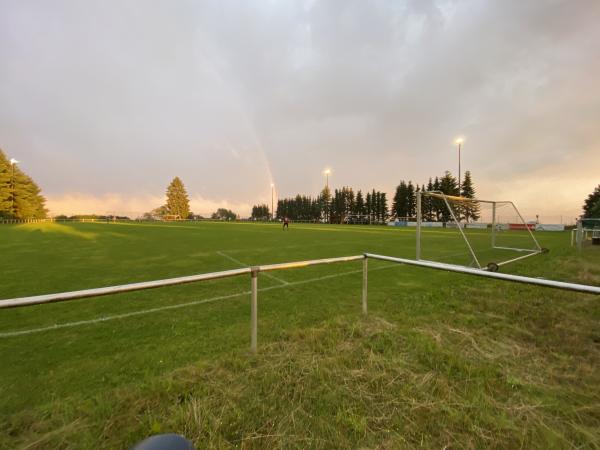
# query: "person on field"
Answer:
x=286 y=223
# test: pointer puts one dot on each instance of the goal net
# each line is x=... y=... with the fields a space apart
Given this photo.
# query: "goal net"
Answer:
x=477 y=233
x=588 y=232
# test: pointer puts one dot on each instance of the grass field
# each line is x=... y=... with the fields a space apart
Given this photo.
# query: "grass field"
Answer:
x=441 y=360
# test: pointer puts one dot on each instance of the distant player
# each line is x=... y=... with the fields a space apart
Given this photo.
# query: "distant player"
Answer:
x=286 y=223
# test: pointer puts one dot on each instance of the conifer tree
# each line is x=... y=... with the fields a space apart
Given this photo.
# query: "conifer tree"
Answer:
x=428 y=213
x=383 y=207
x=375 y=206
x=400 y=201
x=589 y=206
x=411 y=200
x=359 y=205
x=260 y=212
x=594 y=212
x=5 y=187
x=20 y=196
x=448 y=184
x=470 y=211
x=325 y=200
x=178 y=203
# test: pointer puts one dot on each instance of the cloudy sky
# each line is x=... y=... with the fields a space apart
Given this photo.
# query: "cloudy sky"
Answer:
x=105 y=101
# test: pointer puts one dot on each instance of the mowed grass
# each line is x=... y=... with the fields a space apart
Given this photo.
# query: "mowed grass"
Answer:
x=441 y=360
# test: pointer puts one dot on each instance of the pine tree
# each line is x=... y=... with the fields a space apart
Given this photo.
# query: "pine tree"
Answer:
x=595 y=211
x=590 y=203
x=383 y=207
x=5 y=187
x=178 y=203
x=428 y=209
x=325 y=200
x=260 y=212
x=449 y=186
x=470 y=211
x=374 y=206
x=359 y=205
x=437 y=205
x=411 y=200
x=400 y=201
x=20 y=196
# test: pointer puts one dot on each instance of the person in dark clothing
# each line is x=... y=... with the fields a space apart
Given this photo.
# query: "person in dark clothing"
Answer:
x=286 y=223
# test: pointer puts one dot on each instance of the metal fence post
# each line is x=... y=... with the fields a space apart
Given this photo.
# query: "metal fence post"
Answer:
x=494 y=225
x=364 y=286
x=254 y=309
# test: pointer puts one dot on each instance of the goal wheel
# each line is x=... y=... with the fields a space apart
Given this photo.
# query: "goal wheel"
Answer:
x=492 y=267
x=545 y=250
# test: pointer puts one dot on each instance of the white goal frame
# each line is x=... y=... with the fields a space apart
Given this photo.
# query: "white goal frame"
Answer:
x=583 y=232
x=491 y=266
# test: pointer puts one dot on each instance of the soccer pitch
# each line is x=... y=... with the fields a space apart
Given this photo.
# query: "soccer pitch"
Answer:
x=467 y=359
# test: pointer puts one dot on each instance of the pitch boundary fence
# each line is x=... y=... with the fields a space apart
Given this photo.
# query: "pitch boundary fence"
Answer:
x=255 y=270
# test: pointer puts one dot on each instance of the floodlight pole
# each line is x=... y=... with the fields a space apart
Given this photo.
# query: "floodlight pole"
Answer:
x=272 y=201
x=327 y=172
x=459 y=144
x=418 y=246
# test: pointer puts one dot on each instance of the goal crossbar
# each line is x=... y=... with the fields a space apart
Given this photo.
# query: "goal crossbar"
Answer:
x=441 y=195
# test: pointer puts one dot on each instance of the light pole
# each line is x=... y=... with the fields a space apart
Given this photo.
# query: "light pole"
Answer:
x=13 y=162
x=327 y=172
x=459 y=141
x=272 y=201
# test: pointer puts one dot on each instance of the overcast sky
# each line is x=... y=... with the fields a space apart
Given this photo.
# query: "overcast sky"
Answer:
x=104 y=102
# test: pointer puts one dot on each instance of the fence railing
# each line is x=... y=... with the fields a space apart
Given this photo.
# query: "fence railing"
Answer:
x=256 y=270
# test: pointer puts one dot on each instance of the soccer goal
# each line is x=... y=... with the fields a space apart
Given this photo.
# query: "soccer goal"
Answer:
x=484 y=234
x=587 y=232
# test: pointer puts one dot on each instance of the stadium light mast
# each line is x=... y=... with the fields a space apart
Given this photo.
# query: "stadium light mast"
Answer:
x=459 y=142
x=272 y=201
x=13 y=163
x=327 y=173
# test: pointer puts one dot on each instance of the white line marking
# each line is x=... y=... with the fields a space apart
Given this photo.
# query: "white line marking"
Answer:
x=241 y=264
x=180 y=305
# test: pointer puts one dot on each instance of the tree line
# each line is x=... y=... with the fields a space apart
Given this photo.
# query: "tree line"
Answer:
x=341 y=206
x=344 y=206
x=404 y=205
x=20 y=196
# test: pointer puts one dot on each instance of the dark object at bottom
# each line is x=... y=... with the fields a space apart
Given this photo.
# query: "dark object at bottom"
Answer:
x=596 y=241
x=165 y=442
x=545 y=250
x=492 y=267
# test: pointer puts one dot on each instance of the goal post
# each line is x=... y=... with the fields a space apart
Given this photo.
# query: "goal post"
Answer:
x=489 y=233
x=587 y=232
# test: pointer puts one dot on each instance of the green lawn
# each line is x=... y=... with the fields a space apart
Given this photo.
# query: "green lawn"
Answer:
x=442 y=359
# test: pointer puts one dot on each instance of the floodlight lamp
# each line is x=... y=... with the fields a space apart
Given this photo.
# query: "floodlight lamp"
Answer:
x=459 y=140
x=327 y=172
x=272 y=185
x=13 y=161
